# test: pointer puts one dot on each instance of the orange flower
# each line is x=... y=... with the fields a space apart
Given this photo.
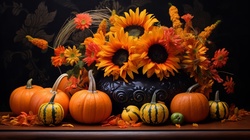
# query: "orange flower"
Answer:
x=73 y=84
x=229 y=85
x=175 y=18
x=220 y=58
x=82 y=21
x=208 y=30
x=188 y=19
x=102 y=27
x=91 y=53
x=40 y=43
x=216 y=75
x=59 y=58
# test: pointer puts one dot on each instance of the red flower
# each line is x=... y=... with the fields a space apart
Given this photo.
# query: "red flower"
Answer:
x=91 y=53
x=220 y=58
x=229 y=85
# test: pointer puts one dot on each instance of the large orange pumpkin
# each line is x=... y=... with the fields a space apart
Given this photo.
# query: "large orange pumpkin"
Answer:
x=20 y=97
x=65 y=82
x=44 y=96
x=193 y=105
x=90 y=106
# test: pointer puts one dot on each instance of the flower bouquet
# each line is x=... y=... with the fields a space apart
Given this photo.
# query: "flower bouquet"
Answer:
x=135 y=44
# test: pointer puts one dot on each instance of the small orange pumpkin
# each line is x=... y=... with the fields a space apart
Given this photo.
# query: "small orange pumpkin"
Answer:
x=44 y=95
x=193 y=105
x=20 y=97
x=90 y=106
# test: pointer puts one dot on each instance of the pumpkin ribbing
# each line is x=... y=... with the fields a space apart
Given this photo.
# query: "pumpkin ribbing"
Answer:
x=218 y=109
x=90 y=106
x=130 y=113
x=44 y=95
x=51 y=112
x=154 y=113
x=20 y=97
x=150 y=114
x=193 y=105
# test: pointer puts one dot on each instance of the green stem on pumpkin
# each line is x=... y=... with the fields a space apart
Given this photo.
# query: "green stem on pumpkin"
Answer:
x=217 y=99
x=153 y=100
x=58 y=80
x=29 y=84
x=92 y=84
x=52 y=98
x=190 y=89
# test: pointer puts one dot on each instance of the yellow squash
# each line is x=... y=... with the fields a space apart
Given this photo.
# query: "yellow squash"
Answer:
x=130 y=113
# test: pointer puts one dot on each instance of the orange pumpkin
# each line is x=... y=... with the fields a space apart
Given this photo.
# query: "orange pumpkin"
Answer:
x=90 y=106
x=64 y=83
x=193 y=105
x=44 y=96
x=20 y=97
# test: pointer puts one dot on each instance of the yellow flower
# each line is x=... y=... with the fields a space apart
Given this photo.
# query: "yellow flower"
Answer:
x=135 y=23
x=195 y=60
x=158 y=54
x=72 y=55
x=134 y=43
x=115 y=57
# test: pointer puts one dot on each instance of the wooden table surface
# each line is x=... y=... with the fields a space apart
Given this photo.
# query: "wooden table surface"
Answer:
x=206 y=130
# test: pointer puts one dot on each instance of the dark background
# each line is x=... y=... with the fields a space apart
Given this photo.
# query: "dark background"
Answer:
x=232 y=34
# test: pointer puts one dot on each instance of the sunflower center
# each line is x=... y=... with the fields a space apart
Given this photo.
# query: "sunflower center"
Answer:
x=157 y=53
x=120 y=57
x=134 y=30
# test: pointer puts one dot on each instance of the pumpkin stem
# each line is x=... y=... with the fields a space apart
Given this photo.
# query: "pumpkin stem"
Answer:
x=190 y=89
x=127 y=110
x=58 y=80
x=92 y=84
x=217 y=99
x=153 y=100
x=52 y=98
x=29 y=84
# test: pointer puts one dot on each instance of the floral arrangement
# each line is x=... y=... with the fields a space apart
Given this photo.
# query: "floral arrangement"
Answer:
x=136 y=42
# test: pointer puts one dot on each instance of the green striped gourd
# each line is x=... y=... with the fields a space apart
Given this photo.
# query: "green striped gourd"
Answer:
x=154 y=113
x=218 y=109
x=51 y=113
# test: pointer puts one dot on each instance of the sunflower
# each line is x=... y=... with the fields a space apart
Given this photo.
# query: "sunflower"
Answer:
x=195 y=61
x=135 y=23
x=116 y=58
x=158 y=54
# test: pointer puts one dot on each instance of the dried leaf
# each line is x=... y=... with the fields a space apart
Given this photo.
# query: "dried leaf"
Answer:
x=67 y=125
